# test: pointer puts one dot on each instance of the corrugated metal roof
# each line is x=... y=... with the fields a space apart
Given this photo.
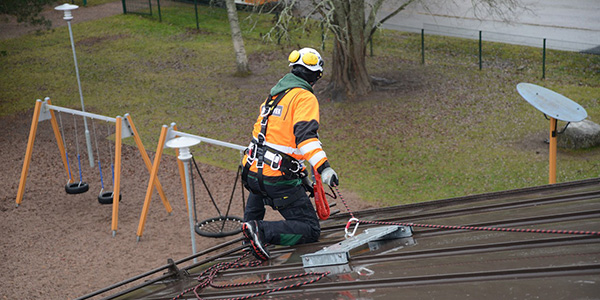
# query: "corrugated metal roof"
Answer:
x=434 y=263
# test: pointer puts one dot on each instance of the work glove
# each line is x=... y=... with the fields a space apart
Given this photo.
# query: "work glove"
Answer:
x=329 y=177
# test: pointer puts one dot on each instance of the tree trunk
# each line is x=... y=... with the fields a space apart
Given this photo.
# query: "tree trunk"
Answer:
x=349 y=76
x=241 y=59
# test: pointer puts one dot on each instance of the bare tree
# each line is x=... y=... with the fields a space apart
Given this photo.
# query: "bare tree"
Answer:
x=353 y=23
x=241 y=59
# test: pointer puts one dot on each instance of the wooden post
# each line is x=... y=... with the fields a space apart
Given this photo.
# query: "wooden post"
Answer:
x=117 y=188
x=148 y=163
x=29 y=151
x=43 y=115
x=59 y=140
x=153 y=176
x=181 y=168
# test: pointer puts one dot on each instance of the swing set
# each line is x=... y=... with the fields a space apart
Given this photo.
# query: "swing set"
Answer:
x=220 y=226
x=124 y=128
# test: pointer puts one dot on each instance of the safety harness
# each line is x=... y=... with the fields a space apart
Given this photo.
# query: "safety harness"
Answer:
x=264 y=155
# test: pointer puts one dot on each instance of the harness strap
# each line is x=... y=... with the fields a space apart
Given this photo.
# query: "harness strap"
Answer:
x=260 y=150
x=277 y=160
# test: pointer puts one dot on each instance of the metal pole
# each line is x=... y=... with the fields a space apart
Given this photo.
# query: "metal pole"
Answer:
x=479 y=49
x=544 y=60
x=196 y=9
x=159 y=13
x=208 y=140
x=423 y=46
x=184 y=144
x=185 y=156
x=552 y=152
x=46 y=107
x=68 y=17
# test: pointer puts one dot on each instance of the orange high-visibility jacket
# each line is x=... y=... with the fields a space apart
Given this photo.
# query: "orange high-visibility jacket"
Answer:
x=292 y=129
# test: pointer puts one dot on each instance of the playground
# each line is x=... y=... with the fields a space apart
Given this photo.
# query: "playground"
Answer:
x=59 y=246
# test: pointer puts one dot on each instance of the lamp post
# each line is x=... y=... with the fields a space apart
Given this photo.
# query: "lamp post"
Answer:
x=184 y=144
x=67 y=8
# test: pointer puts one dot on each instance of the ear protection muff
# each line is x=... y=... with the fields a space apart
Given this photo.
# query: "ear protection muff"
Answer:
x=294 y=56
x=309 y=59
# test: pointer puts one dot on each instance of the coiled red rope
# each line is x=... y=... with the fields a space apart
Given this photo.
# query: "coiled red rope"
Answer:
x=458 y=227
x=320 y=199
x=207 y=277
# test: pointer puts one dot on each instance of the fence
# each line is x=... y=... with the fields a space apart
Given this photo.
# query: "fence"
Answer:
x=145 y=7
x=140 y=7
x=488 y=36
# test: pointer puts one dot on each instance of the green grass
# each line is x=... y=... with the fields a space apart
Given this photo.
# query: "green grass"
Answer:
x=447 y=130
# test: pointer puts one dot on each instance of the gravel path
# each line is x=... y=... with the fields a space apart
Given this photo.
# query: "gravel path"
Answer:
x=11 y=29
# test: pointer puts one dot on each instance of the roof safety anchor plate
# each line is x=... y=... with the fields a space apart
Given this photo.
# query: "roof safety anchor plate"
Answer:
x=339 y=253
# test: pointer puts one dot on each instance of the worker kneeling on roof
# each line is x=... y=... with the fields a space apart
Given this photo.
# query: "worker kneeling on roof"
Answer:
x=284 y=136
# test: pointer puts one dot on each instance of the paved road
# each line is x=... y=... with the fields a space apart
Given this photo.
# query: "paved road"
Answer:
x=572 y=25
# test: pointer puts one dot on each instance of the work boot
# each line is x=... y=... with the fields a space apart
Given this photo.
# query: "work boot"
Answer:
x=250 y=230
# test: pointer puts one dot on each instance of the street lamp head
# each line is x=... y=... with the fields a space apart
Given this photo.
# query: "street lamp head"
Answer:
x=67 y=8
x=183 y=143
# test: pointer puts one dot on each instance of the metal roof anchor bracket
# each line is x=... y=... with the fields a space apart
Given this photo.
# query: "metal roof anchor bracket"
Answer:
x=174 y=271
x=339 y=253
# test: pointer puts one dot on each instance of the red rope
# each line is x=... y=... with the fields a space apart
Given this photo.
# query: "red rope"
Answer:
x=476 y=228
x=320 y=199
x=207 y=277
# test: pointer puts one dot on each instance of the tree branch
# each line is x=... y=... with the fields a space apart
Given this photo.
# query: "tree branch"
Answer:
x=395 y=12
x=371 y=19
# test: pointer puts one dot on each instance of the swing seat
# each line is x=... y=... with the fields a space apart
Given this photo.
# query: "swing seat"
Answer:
x=77 y=187
x=107 y=197
x=219 y=226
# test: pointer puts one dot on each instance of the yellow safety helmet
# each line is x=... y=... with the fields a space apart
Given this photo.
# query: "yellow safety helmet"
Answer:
x=307 y=57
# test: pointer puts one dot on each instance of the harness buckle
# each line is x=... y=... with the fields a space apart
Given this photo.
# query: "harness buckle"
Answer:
x=265 y=111
x=251 y=155
x=261 y=138
x=263 y=122
x=277 y=159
